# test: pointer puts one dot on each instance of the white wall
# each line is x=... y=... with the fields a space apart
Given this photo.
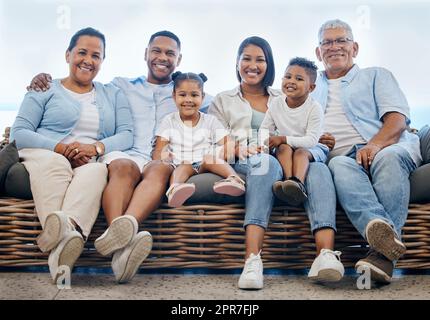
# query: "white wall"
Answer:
x=34 y=35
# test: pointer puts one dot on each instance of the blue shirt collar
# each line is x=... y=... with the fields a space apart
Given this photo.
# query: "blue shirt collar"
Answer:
x=144 y=80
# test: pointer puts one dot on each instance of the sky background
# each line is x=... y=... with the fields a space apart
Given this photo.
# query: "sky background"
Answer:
x=35 y=34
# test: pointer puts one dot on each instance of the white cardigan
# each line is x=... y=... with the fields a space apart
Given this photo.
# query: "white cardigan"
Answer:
x=235 y=113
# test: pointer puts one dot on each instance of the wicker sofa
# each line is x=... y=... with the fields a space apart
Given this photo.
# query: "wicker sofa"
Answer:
x=208 y=235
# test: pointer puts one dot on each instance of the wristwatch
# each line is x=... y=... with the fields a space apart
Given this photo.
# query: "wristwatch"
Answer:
x=99 y=149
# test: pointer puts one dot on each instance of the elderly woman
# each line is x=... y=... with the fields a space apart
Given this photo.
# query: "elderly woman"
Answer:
x=62 y=135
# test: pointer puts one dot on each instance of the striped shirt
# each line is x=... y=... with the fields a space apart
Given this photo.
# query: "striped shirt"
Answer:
x=86 y=129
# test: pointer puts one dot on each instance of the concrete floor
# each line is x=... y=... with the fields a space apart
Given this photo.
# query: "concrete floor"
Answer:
x=27 y=285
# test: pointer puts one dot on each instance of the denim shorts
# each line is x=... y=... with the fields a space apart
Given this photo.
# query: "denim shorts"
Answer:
x=196 y=165
x=319 y=152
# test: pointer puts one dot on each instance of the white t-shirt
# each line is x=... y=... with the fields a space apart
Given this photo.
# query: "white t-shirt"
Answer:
x=190 y=144
x=336 y=121
x=302 y=125
x=87 y=128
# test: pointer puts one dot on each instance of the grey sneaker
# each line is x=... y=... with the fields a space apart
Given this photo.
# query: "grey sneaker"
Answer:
x=126 y=261
x=382 y=238
x=118 y=235
x=381 y=269
x=65 y=254
x=57 y=226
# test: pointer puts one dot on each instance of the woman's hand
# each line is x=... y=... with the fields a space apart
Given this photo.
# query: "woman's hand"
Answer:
x=78 y=150
x=328 y=139
x=60 y=148
x=73 y=153
x=80 y=162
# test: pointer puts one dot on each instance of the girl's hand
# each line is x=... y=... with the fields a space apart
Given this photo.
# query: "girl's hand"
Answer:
x=166 y=155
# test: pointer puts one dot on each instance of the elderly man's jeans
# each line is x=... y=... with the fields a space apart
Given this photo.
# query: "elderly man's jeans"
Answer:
x=383 y=192
x=321 y=203
x=261 y=171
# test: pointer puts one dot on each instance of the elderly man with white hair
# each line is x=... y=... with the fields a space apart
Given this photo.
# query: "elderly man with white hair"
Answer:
x=372 y=155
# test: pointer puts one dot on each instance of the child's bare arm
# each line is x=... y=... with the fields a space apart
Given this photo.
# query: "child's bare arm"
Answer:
x=160 y=148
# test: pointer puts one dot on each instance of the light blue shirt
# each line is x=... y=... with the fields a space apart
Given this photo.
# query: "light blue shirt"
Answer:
x=149 y=104
x=367 y=95
x=46 y=118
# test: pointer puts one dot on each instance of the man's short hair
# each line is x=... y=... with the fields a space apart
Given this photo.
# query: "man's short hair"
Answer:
x=167 y=34
x=309 y=66
x=335 y=24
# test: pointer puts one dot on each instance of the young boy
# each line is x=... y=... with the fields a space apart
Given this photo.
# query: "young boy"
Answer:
x=295 y=123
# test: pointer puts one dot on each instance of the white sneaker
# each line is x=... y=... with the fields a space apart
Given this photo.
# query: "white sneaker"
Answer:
x=327 y=267
x=252 y=274
x=119 y=234
x=126 y=261
x=57 y=225
x=66 y=253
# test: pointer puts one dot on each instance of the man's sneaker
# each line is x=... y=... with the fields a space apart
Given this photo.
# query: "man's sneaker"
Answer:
x=295 y=191
x=382 y=238
x=57 y=225
x=381 y=269
x=327 y=267
x=252 y=274
x=126 y=261
x=65 y=254
x=118 y=235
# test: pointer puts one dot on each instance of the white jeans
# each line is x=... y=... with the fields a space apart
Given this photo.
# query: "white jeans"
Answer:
x=56 y=186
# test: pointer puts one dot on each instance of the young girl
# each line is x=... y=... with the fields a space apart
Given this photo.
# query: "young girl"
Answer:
x=194 y=142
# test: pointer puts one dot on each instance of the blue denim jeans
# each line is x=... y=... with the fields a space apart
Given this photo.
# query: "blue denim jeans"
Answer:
x=321 y=203
x=261 y=171
x=382 y=193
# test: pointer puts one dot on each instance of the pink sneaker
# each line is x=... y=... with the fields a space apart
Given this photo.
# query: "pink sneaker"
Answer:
x=178 y=193
x=232 y=186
